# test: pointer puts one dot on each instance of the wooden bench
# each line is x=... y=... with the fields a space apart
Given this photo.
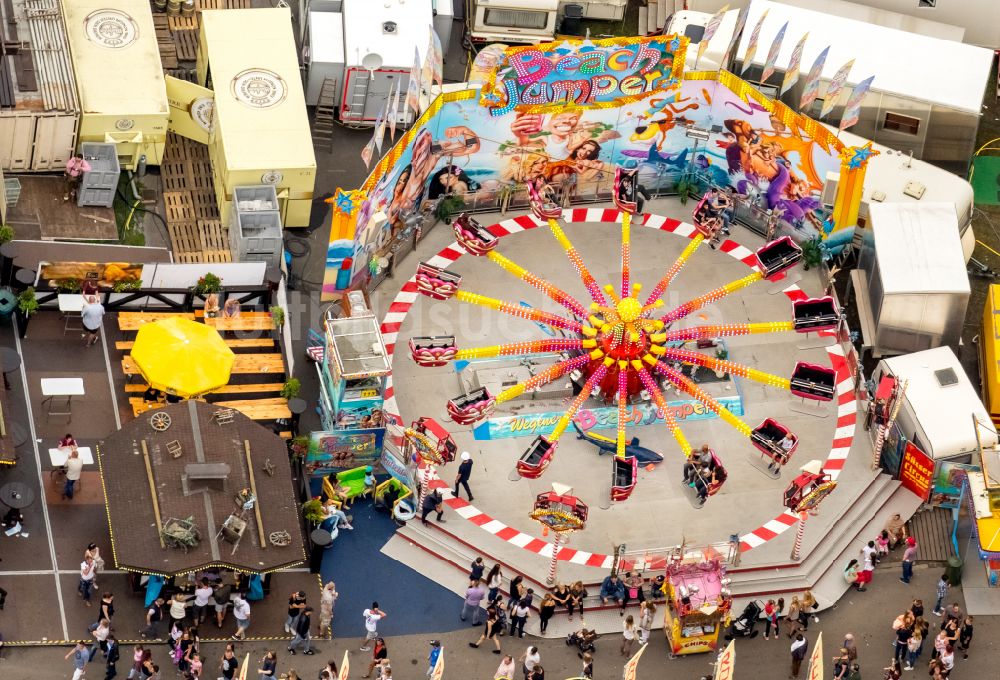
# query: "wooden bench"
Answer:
x=260 y=409
x=233 y=343
x=241 y=323
x=132 y=321
x=199 y=313
x=250 y=388
x=242 y=363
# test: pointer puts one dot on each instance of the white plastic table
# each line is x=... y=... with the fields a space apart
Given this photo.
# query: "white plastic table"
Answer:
x=61 y=387
x=71 y=306
x=59 y=455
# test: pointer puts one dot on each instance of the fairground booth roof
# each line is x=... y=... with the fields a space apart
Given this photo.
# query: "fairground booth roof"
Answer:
x=177 y=482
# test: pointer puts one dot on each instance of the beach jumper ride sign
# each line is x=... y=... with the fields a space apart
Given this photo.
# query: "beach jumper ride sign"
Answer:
x=591 y=74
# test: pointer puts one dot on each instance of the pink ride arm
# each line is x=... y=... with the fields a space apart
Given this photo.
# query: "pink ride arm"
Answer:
x=543 y=378
x=554 y=293
x=686 y=355
x=661 y=403
x=521 y=311
x=622 y=401
x=574 y=257
x=688 y=386
x=595 y=378
x=626 y=253
x=729 y=329
x=517 y=348
x=711 y=296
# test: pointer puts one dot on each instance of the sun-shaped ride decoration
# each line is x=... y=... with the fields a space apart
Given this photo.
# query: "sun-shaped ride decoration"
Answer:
x=618 y=342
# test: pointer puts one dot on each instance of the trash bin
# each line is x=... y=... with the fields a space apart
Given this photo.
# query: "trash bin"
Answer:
x=954 y=570
x=572 y=14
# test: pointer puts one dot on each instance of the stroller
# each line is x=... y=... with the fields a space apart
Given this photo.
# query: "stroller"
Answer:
x=746 y=624
x=583 y=639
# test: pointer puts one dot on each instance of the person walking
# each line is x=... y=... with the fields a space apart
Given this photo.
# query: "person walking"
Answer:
x=100 y=632
x=112 y=654
x=494 y=581
x=268 y=665
x=241 y=611
x=202 y=594
x=903 y=635
x=841 y=664
x=229 y=663
x=943 y=585
x=647 y=615
x=327 y=598
x=380 y=653
x=88 y=572
x=74 y=466
x=222 y=596
x=794 y=611
x=628 y=635
x=491 y=632
x=80 y=659
x=909 y=557
x=546 y=610
x=303 y=625
x=851 y=646
x=432 y=656
x=433 y=502
x=505 y=671
x=474 y=596
x=138 y=656
x=798 y=651
x=464 y=473
x=965 y=637
x=521 y=612
x=529 y=660
x=296 y=604
x=95 y=553
x=107 y=606
x=195 y=665
x=372 y=616
x=153 y=617
x=178 y=609
x=92 y=318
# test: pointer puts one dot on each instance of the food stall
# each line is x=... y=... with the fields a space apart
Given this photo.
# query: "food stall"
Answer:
x=261 y=131
x=116 y=60
x=698 y=602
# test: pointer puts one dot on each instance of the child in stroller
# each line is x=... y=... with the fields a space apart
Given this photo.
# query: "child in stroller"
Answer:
x=583 y=639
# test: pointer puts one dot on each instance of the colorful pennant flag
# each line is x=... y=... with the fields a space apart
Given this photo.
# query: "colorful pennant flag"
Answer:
x=834 y=88
x=710 y=29
x=378 y=133
x=345 y=668
x=438 y=671
x=772 y=54
x=413 y=86
x=852 y=112
x=436 y=57
x=816 y=660
x=394 y=111
x=628 y=673
x=752 y=45
x=366 y=153
x=792 y=72
x=741 y=22
x=726 y=663
x=811 y=89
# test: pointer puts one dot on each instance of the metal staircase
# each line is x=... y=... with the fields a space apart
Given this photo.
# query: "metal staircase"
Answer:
x=325 y=119
x=353 y=107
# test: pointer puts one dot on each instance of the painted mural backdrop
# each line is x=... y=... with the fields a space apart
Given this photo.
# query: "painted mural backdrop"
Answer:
x=762 y=150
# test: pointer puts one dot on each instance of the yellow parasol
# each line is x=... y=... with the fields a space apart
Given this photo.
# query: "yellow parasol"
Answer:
x=182 y=357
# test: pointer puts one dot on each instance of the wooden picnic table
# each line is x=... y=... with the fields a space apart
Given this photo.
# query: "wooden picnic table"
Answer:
x=242 y=363
x=241 y=323
x=133 y=321
x=232 y=343
x=255 y=409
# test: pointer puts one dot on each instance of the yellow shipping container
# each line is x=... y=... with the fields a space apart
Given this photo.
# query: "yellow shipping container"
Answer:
x=261 y=131
x=123 y=97
x=989 y=353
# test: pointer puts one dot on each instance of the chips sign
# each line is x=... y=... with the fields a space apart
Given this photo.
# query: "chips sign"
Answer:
x=589 y=74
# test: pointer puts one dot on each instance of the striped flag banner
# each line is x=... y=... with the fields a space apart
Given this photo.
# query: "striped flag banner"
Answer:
x=852 y=112
x=834 y=88
x=413 y=86
x=752 y=45
x=792 y=72
x=772 y=54
x=710 y=29
x=811 y=89
x=393 y=112
x=741 y=22
x=366 y=153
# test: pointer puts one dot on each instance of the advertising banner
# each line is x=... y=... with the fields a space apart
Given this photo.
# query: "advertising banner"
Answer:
x=772 y=54
x=725 y=665
x=917 y=471
x=948 y=479
x=595 y=74
x=816 y=660
x=794 y=64
x=335 y=450
x=852 y=112
x=834 y=88
x=604 y=418
x=811 y=88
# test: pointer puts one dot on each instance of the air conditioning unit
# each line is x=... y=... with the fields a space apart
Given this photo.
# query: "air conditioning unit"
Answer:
x=878 y=196
x=914 y=189
x=830 y=188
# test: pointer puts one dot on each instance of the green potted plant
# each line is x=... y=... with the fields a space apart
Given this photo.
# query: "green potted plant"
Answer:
x=6 y=234
x=447 y=206
x=291 y=388
x=722 y=354
x=127 y=286
x=27 y=305
x=299 y=447
x=209 y=283
x=812 y=253
x=686 y=186
x=277 y=317
x=312 y=511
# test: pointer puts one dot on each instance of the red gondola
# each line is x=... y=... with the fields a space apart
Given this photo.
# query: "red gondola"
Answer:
x=812 y=381
x=624 y=193
x=435 y=282
x=433 y=351
x=536 y=458
x=472 y=407
x=767 y=437
x=474 y=237
x=542 y=200
x=815 y=314
x=624 y=475
x=707 y=223
x=777 y=256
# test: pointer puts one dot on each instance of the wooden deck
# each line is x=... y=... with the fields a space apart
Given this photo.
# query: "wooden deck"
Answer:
x=41 y=210
x=242 y=363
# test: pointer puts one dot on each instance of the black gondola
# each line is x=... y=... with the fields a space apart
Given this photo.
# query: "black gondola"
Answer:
x=812 y=381
x=815 y=314
x=777 y=256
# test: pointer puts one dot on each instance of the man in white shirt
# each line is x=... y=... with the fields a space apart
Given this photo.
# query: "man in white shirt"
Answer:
x=88 y=571
x=372 y=617
x=241 y=611
x=74 y=466
x=529 y=660
x=92 y=316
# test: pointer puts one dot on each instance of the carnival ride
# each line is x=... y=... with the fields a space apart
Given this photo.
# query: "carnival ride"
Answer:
x=616 y=344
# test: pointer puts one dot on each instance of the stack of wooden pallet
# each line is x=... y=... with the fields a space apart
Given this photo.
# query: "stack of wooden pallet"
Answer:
x=196 y=234
x=165 y=41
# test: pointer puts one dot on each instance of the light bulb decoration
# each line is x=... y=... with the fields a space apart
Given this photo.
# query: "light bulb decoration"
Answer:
x=662 y=284
x=520 y=311
x=554 y=293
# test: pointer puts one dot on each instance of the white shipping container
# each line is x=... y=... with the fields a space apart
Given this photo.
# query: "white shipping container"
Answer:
x=326 y=54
